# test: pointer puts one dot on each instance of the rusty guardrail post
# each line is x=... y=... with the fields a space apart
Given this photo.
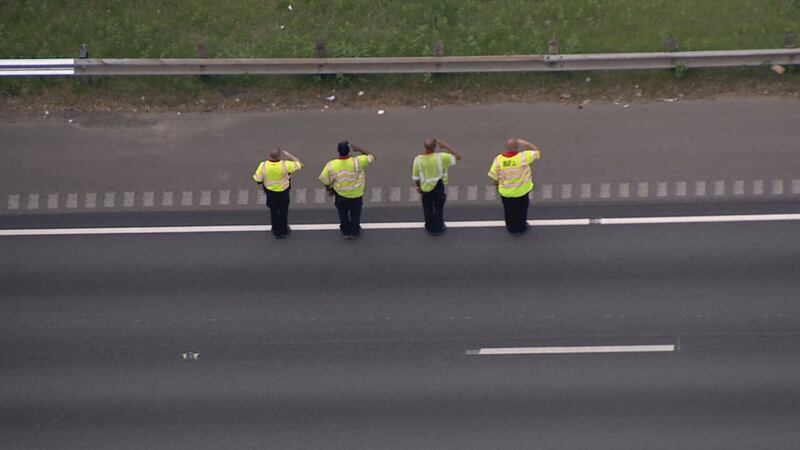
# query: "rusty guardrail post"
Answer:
x=84 y=54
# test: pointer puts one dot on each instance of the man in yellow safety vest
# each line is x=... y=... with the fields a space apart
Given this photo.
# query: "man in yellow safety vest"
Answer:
x=512 y=174
x=275 y=175
x=344 y=178
x=429 y=172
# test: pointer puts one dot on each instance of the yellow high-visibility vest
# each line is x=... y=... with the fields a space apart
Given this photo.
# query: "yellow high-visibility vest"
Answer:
x=346 y=175
x=513 y=174
x=429 y=168
x=276 y=175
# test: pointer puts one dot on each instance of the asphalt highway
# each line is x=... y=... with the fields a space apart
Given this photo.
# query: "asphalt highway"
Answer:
x=236 y=340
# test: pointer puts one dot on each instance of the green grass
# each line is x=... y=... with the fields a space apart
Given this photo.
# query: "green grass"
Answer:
x=267 y=28
x=252 y=28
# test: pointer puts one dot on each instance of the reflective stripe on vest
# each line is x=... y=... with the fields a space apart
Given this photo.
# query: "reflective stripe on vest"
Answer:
x=425 y=182
x=514 y=181
x=346 y=183
x=277 y=185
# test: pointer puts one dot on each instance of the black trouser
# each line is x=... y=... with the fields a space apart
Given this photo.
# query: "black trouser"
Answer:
x=349 y=214
x=278 y=203
x=516 y=211
x=433 y=208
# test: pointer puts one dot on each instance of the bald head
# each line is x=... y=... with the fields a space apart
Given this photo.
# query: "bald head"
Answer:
x=512 y=144
x=275 y=154
x=430 y=144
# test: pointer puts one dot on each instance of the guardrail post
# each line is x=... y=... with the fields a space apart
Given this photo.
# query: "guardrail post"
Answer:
x=202 y=52
x=553 y=47
x=789 y=39
x=84 y=54
x=438 y=48
x=319 y=49
x=671 y=44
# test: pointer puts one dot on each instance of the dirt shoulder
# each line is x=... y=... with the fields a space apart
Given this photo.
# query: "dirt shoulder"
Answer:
x=44 y=97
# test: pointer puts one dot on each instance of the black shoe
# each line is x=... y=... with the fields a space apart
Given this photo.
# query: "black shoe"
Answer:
x=280 y=236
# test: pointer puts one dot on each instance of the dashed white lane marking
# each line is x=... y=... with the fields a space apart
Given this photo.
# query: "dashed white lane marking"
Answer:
x=680 y=189
x=243 y=198
x=205 y=198
x=624 y=190
x=167 y=198
x=394 y=194
x=491 y=193
x=605 y=190
x=13 y=201
x=90 y=201
x=586 y=190
x=566 y=191
x=375 y=194
x=404 y=225
x=738 y=187
x=777 y=187
x=186 y=198
x=224 y=197
x=572 y=350
x=719 y=188
x=472 y=193
x=109 y=199
x=319 y=195
x=72 y=201
x=33 y=201
x=547 y=191
x=301 y=197
x=699 y=219
x=452 y=192
x=261 y=197
x=758 y=187
x=642 y=189
x=661 y=189
x=128 y=199
x=52 y=201
x=699 y=188
x=413 y=195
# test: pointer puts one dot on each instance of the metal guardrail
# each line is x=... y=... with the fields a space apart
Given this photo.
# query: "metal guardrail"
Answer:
x=33 y=67
x=402 y=65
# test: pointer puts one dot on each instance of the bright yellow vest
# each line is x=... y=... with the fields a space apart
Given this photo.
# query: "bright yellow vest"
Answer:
x=277 y=174
x=430 y=168
x=346 y=176
x=514 y=177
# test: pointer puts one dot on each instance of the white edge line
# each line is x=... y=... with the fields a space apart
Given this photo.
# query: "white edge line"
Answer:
x=133 y=230
x=394 y=225
x=572 y=350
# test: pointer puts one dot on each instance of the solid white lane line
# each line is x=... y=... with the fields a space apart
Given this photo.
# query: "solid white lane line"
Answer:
x=699 y=219
x=400 y=225
x=133 y=230
x=572 y=350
